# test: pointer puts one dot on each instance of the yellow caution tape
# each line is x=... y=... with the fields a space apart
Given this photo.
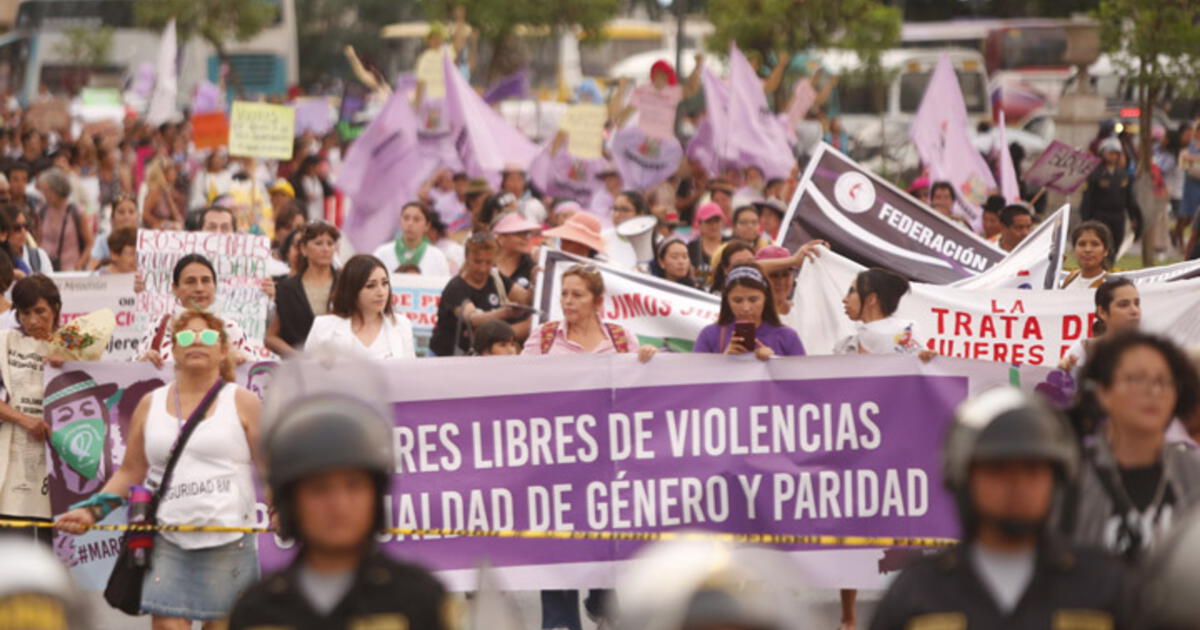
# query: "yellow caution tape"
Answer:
x=760 y=539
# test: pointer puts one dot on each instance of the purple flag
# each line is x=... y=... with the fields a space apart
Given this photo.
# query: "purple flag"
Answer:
x=710 y=146
x=939 y=132
x=515 y=85
x=1009 y=187
x=644 y=162
x=381 y=171
x=207 y=98
x=564 y=175
x=486 y=142
x=753 y=129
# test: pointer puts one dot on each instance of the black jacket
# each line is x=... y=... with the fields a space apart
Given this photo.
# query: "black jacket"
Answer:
x=1071 y=588
x=294 y=312
x=1110 y=194
x=385 y=594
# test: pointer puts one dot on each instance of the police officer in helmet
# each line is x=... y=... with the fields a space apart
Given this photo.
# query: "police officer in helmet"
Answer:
x=329 y=463
x=1007 y=460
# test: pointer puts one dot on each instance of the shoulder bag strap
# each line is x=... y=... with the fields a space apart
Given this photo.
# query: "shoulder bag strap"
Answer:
x=189 y=427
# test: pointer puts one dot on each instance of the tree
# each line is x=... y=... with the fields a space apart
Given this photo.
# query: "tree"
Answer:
x=86 y=46
x=328 y=26
x=217 y=21
x=497 y=22
x=1154 y=44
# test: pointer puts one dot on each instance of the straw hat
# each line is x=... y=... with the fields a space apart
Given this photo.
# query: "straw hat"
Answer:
x=582 y=228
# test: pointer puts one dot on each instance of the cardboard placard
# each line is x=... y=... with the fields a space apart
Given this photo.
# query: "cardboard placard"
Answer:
x=261 y=130
x=210 y=130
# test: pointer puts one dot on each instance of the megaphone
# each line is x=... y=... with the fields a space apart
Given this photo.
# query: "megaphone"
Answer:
x=639 y=231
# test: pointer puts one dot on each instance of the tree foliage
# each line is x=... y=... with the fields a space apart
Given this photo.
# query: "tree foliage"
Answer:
x=1154 y=43
x=792 y=25
x=217 y=21
x=497 y=21
x=86 y=46
x=326 y=27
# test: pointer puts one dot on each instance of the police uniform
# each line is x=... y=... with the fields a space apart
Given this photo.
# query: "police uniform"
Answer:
x=1071 y=589
x=385 y=595
x=1108 y=199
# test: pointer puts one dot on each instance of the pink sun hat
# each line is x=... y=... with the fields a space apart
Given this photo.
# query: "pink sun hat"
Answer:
x=582 y=228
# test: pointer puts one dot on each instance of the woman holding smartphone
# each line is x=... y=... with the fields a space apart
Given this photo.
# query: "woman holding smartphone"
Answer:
x=748 y=321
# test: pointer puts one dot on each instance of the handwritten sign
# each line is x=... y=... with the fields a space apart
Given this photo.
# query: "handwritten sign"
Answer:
x=584 y=125
x=262 y=131
x=416 y=297
x=240 y=261
x=84 y=293
x=1061 y=168
x=656 y=109
x=210 y=130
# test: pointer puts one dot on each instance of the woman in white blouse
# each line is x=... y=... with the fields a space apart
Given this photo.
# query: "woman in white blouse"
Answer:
x=361 y=320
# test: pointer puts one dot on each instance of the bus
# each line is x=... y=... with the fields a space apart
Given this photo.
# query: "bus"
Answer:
x=33 y=56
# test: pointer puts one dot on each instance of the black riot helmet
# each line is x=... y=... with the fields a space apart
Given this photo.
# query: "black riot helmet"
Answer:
x=1004 y=424
x=325 y=415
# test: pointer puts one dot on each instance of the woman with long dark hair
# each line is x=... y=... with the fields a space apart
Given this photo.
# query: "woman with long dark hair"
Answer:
x=734 y=252
x=361 y=320
x=748 y=321
x=1118 y=309
x=301 y=298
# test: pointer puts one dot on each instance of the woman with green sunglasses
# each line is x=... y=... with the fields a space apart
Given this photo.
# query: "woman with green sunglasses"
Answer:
x=193 y=576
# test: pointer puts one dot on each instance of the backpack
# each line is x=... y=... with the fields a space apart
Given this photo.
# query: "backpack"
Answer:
x=620 y=338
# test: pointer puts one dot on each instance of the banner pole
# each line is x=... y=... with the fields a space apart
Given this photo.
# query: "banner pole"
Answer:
x=1037 y=196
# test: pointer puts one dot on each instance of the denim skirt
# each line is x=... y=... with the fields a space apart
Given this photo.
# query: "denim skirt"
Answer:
x=199 y=584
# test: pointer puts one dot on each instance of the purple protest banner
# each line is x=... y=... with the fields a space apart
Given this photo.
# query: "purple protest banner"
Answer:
x=837 y=446
x=560 y=174
x=1061 y=168
x=643 y=161
x=867 y=219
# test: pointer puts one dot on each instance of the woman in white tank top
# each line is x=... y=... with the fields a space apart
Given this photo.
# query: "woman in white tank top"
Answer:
x=192 y=576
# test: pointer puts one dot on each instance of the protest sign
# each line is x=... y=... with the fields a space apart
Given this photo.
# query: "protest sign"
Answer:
x=560 y=174
x=241 y=264
x=260 y=130
x=50 y=115
x=315 y=115
x=584 y=126
x=1034 y=327
x=90 y=406
x=661 y=313
x=84 y=293
x=644 y=161
x=656 y=109
x=1163 y=273
x=416 y=297
x=1035 y=263
x=866 y=218
x=1061 y=168
x=830 y=446
x=210 y=130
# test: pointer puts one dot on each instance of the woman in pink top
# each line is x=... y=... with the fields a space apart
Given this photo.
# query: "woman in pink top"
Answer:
x=581 y=331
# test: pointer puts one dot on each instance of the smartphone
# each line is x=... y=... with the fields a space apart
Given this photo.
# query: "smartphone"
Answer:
x=745 y=332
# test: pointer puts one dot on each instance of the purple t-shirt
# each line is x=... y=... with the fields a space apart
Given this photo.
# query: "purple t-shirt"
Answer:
x=782 y=340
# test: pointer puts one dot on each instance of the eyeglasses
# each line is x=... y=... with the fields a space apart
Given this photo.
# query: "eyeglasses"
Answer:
x=19 y=227
x=208 y=337
x=1144 y=381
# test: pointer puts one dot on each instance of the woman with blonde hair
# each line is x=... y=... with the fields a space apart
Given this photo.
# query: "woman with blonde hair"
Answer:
x=161 y=208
